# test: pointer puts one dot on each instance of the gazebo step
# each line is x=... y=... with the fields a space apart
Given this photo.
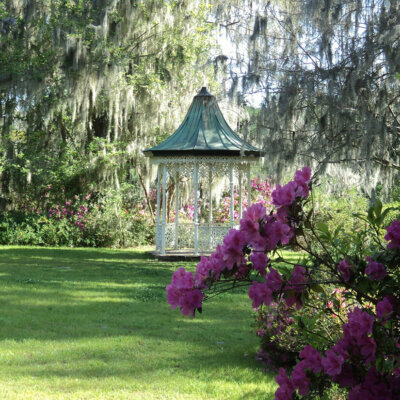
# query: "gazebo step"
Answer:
x=179 y=255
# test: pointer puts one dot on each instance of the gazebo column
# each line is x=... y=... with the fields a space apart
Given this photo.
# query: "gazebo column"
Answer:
x=248 y=185
x=240 y=195
x=164 y=210
x=232 y=197
x=158 y=209
x=176 y=209
x=210 y=216
x=196 y=218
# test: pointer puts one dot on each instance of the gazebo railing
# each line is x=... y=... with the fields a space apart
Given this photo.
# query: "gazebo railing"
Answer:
x=209 y=236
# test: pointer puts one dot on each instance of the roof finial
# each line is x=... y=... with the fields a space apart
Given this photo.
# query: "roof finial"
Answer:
x=203 y=92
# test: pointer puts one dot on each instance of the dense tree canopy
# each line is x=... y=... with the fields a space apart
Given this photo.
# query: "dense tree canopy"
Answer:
x=86 y=85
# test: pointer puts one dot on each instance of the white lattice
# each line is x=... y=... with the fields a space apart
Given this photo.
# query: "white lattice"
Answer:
x=220 y=166
x=201 y=170
x=209 y=236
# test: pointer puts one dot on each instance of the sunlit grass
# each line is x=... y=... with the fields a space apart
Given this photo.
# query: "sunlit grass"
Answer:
x=94 y=324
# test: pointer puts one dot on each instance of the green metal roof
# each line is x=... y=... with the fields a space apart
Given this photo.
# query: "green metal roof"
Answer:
x=204 y=131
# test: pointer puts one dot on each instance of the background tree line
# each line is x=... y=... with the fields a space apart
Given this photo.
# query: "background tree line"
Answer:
x=86 y=85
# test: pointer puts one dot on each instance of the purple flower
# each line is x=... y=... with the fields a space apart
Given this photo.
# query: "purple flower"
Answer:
x=286 y=387
x=384 y=309
x=345 y=269
x=375 y=271
x=332 y=363
x=260 y=293
x=360 y=323
x=296 y=279
x=345 y=378
x=311 y=358
x=260 y=261
x=393 y=235
x=367 y=348
x=274 y=280
x=299 y=378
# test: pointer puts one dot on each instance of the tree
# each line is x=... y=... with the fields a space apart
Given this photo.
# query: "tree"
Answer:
x=327 y=73
x=88 y=84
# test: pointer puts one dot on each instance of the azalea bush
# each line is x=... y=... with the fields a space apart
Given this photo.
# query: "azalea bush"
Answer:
x=362 y=353
x=96 y=219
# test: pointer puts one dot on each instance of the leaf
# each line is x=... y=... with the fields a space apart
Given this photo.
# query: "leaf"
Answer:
x=317 y=289
x=323 y=228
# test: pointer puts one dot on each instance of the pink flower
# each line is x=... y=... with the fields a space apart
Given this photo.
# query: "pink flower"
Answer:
x=384 y=309
x=255 y=212
x=203 y=270
x=173 y=295
x=182 y=279
x=259 y=261
x=393 y=235
x=190 y=301
x=284 y=195
x=375 y=271
x=345 y=269
x=275 y=232
x=303 y=177
x=332 y=363
x=232 y=248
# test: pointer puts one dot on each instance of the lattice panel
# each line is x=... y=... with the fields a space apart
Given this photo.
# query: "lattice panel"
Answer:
x=208 y=236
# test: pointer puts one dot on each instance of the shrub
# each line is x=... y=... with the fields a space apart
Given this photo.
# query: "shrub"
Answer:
x=362 y=354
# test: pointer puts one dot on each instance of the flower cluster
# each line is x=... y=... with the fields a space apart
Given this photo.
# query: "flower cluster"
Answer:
x=364 y=355
x=181 y=292
x=72 y=210
x=393 y=235
x=261 y=233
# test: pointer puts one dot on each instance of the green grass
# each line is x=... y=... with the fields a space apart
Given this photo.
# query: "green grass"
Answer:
x=94 y=324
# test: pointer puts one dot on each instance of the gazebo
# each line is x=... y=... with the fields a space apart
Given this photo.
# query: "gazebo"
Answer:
x=202 y=149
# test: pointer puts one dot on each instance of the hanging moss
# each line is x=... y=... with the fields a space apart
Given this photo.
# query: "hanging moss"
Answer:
x=327 y=73
x=117 y=70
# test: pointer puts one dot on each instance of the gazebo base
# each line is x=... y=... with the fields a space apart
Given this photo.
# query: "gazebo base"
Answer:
x=179 y=255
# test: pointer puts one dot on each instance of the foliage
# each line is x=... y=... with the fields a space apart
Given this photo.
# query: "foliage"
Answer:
x=337 y=209
x=260 y=192
x=361 y=354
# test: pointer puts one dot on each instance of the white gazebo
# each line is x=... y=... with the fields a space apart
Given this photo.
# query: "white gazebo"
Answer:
x=203 y=149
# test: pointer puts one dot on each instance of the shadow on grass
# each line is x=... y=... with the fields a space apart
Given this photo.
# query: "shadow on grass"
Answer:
x=58 y=294
x=105 y=312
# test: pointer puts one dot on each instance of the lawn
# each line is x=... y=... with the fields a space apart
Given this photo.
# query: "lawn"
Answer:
x=94 y=324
